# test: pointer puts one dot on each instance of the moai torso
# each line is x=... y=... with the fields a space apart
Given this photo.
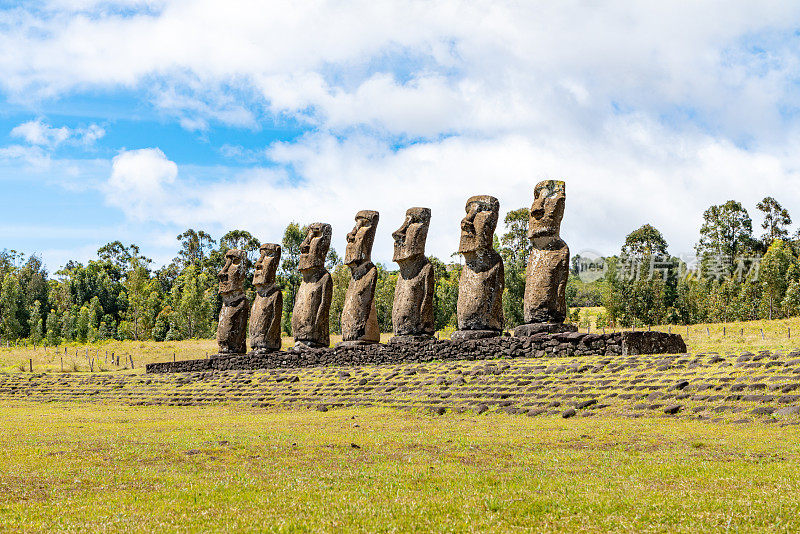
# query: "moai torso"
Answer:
x=311 y=319
x=412 y=309
x=480 y=293
x=265 y=316
x=232 y=326
x=311 y=314
x=480 y=289
x=359 y=317
x=548 y=264
x=545 y=285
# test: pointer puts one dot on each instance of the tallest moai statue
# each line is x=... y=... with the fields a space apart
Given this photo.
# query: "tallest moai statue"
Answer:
x=545 y=305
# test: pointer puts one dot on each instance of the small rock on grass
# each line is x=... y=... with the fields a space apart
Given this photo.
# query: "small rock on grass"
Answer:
x=585 y=404
x=672 y=409
x=481 y=408
x=322 y=408
x=566 y=414
x=789 y=410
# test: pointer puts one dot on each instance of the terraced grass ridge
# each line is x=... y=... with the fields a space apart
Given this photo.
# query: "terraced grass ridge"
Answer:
x=705 y=386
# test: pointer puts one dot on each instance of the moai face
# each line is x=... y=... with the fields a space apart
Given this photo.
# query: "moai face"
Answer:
x=409 y=239
x=360 y=239
x=477 y=228
x=314 y=248
x=267 y=264
x=547 y=210
x=232 y=275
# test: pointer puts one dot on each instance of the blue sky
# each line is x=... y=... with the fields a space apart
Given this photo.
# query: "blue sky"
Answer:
x=134 y=120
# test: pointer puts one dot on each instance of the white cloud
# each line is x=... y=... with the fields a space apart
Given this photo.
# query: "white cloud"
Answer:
x=650 y=111
x=39 y=133
x=610 y=191
x=139 y=181
x=418 y=68
x=31 y=155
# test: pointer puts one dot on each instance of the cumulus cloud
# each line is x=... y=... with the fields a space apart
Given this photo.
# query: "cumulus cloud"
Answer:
x=650 y=111
x=37 y=132
x=139 y=182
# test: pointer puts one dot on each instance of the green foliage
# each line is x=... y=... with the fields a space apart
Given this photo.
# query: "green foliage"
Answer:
x=726 y=234
x=10 y=298
x=773 y=274
x=445 y=295
x=341 y=278
x=515 y=248
x=384 y=297
x=289 y=277
x=644 y=243
x=776 y=219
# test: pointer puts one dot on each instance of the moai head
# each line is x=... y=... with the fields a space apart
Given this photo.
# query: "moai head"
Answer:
x=267 y=264
x=360 y=239
x=409 y=239
x=477 y=228
x=314 y=248
x=232 y=275
x=547 y=209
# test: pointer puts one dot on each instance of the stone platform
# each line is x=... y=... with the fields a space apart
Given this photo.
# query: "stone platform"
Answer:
x=536 y=346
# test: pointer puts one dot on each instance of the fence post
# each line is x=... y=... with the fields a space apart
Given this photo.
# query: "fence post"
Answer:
x=131 y=357
x=762 y=333
x=62 y=364
x=30 y=363
x=708 y=331
x=723 y=331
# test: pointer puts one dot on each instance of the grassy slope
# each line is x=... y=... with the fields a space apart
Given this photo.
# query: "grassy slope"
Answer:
x=97 y=467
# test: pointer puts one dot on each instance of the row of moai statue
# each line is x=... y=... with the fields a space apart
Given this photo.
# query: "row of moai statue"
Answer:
x=479 y=309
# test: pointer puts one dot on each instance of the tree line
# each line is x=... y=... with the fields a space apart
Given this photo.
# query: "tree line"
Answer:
x=733 y=275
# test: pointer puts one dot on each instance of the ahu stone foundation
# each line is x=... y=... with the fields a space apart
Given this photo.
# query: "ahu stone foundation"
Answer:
x=536 y=346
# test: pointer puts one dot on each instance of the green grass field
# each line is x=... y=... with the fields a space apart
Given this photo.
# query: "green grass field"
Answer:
x=254 y=453
x=93 y=467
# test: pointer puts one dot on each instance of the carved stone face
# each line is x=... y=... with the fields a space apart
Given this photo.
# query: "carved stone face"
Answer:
x=267 y=264
x=477 y=228
x=314 y=248
x=409 y=239
x=232 y=275
x=360 y=239
x=547 y=210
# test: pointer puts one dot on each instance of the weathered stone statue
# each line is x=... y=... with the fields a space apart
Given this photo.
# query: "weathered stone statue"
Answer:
x=265 y=316
x=310 y=318
x=359 y=317
x=480 y=289
x=232 y=327
x=546 y=274
x=412 y=309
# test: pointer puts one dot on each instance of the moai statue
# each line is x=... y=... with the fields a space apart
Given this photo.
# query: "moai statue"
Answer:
x=359 y=317
x=412 y=309
x=232 y=327
x=480 y=289
x=312 y=305
x=546 y=274
x=265 y=316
